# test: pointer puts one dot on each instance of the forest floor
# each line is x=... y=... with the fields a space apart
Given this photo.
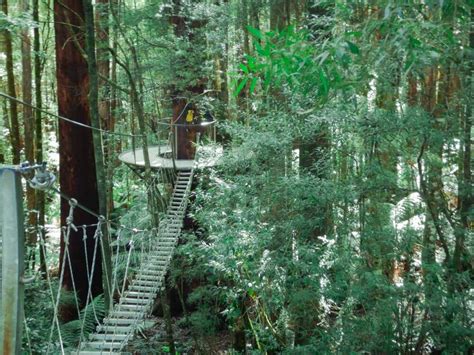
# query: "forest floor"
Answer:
x=153 y=340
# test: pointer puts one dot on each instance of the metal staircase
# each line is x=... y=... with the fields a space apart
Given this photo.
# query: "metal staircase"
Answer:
x=136 y=303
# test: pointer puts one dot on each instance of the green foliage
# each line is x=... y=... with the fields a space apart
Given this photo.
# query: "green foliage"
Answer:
x=288 y=58
x=74 y=331
x=38 y=316
x=364 y=283
x=317 y=235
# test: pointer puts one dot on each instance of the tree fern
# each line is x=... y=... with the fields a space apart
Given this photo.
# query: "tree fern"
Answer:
x=79 y=329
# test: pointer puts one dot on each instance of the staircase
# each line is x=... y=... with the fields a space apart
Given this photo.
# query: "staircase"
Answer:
x=136 y=303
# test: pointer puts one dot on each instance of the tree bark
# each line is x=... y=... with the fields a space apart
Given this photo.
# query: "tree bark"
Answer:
x=466 y=197
x=278 y=14
x=14 y=122
x=28 y=119
x=40 y=201
x=184 y=111
x=103 y=69
x=93 y=97
x=77 y=161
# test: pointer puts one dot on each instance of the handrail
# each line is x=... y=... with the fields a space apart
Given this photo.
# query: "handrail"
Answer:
x=171 y=123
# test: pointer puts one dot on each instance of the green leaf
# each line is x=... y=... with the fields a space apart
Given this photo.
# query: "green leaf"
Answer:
x=255 y=32
x=258 y=46
x=354 y=33
x=241 y=86
x=252 y=84
x=353 y=48
x=322 y=57
x=251 y=61
x=268 y=78
x=323 y=82
x=244 y=68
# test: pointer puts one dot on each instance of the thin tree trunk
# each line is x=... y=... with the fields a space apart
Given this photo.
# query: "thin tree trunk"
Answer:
x=14 y=122
x=4 y=109
x=40 y=201
x=97 y=140
x=168 y=323
x=28 y=119
x=278 y=14
x=430 y=187
x=466 y=198
x=103 y=69
x=381 y=246
x=314 y=150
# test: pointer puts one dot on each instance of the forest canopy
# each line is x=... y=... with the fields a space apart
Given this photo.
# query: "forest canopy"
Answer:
x=340 y=216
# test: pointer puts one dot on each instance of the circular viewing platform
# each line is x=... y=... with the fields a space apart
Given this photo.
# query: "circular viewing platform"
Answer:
x=161 y=157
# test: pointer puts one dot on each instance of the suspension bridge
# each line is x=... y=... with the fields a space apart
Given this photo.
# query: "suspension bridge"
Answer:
x=140 y=256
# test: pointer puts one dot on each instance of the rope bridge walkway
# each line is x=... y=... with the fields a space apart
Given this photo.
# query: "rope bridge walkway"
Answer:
x=141 y=260
x=136 y=302
x=140 y=257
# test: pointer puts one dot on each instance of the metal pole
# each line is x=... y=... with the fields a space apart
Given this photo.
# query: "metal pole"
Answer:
x=12 y=240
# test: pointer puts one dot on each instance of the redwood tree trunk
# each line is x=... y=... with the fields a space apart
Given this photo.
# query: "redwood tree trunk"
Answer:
x=186 y=136
x=14 y=124
x=40 y=201
x=28 y=120
x=77 y=164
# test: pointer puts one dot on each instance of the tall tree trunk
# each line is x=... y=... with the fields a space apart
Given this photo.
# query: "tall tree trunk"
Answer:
x=466 y=196
x=14 y=123
x=278 y=14
x=28 y=119
x=40 y=201
x=103 y=69
x=431 y=185
x=381 y=245
x=97 y=140
x=184 y=111
x=77 y=168
x=314 y=150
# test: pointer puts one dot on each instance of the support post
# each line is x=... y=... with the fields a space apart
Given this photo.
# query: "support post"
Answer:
x=12 y=260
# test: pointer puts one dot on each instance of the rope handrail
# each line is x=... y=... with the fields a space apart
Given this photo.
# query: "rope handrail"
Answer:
x=138 y=247
x=48 y=178
x=112 y=133
x=83 y=125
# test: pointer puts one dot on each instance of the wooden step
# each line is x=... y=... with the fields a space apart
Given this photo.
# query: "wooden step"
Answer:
x=135 y=294
x=139 y=288
x=115 y=329
x=104 y=345
x=159 y=252
x=119 y=321
x=153 y=268
x=124 y=314
x=133 y=307
x=154 y=278
x=127 y=300
x=109 y=337
x=145 y=282
x=157 y=260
